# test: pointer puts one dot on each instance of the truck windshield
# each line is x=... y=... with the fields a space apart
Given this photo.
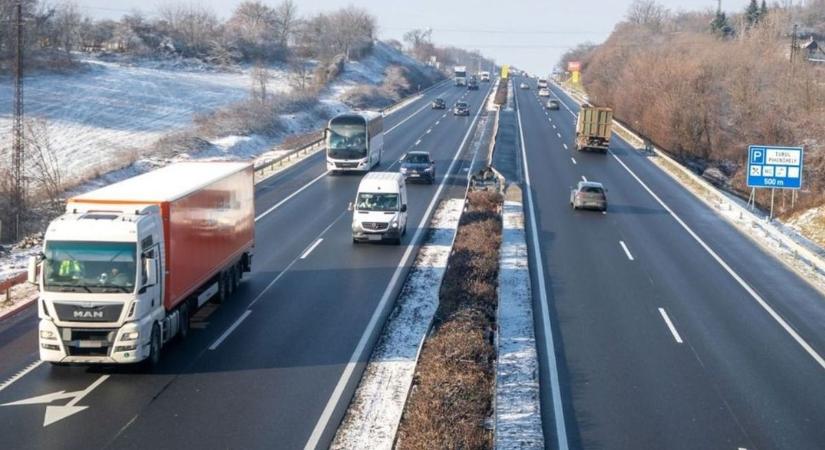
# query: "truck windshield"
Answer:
x=377 y=202
x=347 y=138
x=89 y=266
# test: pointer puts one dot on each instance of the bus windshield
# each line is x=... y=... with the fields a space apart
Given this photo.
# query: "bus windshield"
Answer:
x=90 y=266
x=347 y=138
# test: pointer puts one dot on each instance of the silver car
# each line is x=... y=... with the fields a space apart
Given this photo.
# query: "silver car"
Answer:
x=589 y=194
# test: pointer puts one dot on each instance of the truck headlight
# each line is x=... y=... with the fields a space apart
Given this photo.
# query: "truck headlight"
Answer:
x=395 y=224
x=129 y=336
x=46 y=334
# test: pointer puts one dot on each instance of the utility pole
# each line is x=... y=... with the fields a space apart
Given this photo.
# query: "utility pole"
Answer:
x=18 y=146
x=794 y=44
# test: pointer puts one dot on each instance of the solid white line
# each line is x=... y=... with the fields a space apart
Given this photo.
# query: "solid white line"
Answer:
x=309 y=250
x=549 y=345
x=804 y=344
x=278 y=205
x=356 y=356
x=565 y=147
x=584 y=178
x=230 y=330
x=574 y=160
x=20 y=374
x=626 y=251
x=670 y=325
x=406 y=119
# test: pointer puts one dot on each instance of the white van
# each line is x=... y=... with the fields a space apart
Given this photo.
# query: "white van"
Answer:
x=380 y=208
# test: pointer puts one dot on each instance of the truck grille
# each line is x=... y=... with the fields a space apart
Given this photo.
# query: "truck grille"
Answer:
x=375 y=226
x=87 y=342
x=80 y=313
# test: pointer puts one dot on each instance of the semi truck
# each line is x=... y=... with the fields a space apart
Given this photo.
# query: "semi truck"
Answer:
x=125 y=267
x=460 y=75
x=593 y=128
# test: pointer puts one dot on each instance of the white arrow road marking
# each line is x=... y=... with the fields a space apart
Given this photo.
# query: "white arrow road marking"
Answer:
x=58 y=413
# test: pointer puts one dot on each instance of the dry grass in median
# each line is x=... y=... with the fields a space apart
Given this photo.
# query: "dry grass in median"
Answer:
x=450 y=403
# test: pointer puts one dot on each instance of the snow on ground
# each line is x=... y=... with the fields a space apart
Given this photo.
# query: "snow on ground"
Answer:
x=518 y=407
x=375 y=412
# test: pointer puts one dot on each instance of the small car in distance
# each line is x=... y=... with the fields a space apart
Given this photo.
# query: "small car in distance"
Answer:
x=438 y=103
x=472 y=84
x=552 y=105
x=589 y=194
x=418 y=166
x=544 y=92
x=524 y=86
x=461 y=109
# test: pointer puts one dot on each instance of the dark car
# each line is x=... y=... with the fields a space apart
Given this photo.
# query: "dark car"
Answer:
x=553 y=104
x=461 y=109
x=472 y=84
x=589 y=194
x=439 y=103
x=418 y=166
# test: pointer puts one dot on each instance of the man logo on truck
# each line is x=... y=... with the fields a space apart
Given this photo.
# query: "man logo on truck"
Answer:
x=87 y=314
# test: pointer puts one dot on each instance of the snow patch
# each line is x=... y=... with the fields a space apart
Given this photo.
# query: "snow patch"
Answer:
x=518 y=407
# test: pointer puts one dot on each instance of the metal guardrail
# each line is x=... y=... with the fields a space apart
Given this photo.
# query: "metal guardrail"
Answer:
x=262 y=169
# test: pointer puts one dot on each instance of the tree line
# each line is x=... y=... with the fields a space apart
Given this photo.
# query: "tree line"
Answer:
x=255 y=31
x=705 y=95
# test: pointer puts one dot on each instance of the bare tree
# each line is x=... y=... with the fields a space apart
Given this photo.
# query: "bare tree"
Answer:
x=44 y=169
x=287 y=17
x=260 y=80
x=191 y=26
x=648 y=13
x=300 y=74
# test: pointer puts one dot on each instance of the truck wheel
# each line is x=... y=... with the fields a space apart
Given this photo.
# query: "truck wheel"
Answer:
x=229 y=279
x=183 y=320
x=238 y=272
x=154 y=349
x=222 y=294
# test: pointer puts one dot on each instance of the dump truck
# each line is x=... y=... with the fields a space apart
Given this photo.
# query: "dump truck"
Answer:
x=125 y=267
x=593 y=128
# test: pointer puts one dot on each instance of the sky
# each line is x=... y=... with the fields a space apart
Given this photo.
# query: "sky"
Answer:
x=529 y=34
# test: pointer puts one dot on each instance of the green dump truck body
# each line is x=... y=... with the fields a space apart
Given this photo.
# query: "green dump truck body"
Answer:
x=593 y=128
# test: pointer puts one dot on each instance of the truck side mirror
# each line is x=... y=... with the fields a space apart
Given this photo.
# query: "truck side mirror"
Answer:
x=150 y=269
x=403 y=208
x=326 y=133
x=32 y=275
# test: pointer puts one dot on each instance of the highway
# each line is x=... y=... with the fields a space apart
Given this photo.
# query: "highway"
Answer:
x=275 y=366
x=671 y=329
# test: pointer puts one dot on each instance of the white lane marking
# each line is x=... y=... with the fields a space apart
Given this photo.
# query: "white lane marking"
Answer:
x=406 y=119
x=788 y=329
x=549 y=345
x=626 y=251
x=289 y=266
x=429 y=131
x=290 y=197
x=437 y=122
x=444 y=115
x=230 y=330
x=57 y=413
x=584 y=178
x=356 y=356
x=20 y=374
x=310 y=249
x=565 y=147
x=554 y=126
x=670 y=325
x=417 y=142
x=558 y=134
x=574 y=160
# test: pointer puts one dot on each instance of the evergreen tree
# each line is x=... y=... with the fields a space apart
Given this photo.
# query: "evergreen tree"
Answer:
x=763 y=10
x=752 y=13
x=719 y=25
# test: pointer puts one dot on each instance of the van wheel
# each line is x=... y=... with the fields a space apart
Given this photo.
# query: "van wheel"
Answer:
x=183 y=320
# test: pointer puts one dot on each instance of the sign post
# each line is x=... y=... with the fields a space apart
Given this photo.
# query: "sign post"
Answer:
x=775 y=168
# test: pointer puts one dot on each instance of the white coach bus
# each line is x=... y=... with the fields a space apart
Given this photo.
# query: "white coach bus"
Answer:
x=355 y=141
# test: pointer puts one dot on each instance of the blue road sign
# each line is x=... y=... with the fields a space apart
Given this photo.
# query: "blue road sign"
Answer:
x=775 y=167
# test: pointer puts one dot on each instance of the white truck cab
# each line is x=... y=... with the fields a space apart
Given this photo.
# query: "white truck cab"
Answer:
x=380 y=209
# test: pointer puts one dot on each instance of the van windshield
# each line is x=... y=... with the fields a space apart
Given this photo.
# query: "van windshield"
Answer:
x=376 y=202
